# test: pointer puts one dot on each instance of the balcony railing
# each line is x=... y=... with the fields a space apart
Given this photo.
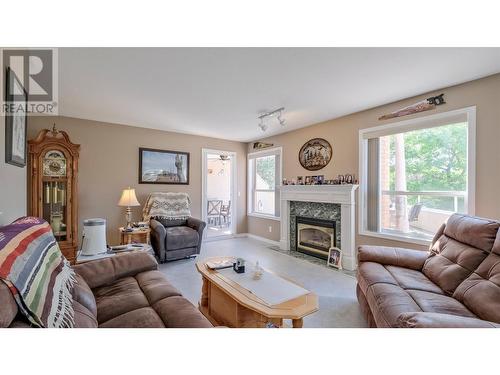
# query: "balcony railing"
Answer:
x=456 y=195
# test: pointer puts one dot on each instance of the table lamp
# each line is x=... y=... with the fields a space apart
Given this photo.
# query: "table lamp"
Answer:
x=128 y=199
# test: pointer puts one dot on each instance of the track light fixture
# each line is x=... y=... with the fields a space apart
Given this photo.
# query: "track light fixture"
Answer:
x=276 y=113
x=281 y=120
x=262 y=126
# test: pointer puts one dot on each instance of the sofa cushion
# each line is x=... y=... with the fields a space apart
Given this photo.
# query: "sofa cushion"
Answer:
x=480 y=292
x=413 y=279
x=473 y=231
x=171 y=223
x=394 y=256
x=451 y=262
x=106 y=271
x=387 y=302
x=119 y=298
x=83 y=318
x=370 y=273
x=144 y=317
x=435 y=320
x=439 y=303
x=155 y=286
x=178 y=312
x=83 y=295
x=8 y=306
x=391 y=291
x=181 y=237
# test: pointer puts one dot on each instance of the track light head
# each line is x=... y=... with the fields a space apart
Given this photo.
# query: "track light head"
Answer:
x=282 y=121
x=276 y=113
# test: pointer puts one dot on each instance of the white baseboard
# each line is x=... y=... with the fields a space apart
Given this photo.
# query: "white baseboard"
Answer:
x=242 y=235
x=220 y=238
x=262 y=239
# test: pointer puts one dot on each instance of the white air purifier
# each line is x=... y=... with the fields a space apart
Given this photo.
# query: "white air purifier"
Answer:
x=94 y=237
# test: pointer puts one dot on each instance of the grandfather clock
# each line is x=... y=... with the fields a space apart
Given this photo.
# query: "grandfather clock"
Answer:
x=53 y=173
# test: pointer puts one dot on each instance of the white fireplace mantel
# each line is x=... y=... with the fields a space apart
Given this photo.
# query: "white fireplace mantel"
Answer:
x=340 y=194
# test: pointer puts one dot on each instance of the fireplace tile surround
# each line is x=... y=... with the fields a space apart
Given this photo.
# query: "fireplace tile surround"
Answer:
x=315 y=210
x=330 y=202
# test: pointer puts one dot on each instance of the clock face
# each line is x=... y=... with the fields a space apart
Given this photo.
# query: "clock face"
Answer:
x=54 y=164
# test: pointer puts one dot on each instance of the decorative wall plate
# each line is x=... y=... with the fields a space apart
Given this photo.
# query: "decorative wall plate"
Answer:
x=315 y=154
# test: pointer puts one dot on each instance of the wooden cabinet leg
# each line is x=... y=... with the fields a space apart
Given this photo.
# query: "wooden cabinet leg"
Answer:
x=297 y=323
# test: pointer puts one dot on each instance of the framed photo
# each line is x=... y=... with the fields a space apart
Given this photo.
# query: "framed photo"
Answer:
x=163 y=167
x=321 y=179
x=15 y=123
x=335 y=258
x=315 y=154
x=308 y=180
x=300 y=180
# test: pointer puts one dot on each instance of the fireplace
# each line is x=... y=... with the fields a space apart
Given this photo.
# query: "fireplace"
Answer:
x=315 y=236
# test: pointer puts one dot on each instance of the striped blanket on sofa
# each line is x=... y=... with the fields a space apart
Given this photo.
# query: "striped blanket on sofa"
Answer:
x=38 y=275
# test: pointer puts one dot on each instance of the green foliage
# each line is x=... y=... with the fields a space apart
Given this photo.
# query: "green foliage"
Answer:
x=436 y=160
x=265 y=169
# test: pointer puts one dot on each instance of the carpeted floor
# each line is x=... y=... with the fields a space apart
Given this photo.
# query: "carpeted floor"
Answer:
x=338 y=306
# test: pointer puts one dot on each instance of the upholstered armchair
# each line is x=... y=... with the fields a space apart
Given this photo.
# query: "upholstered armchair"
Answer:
x=174 y=233
x=176 y=239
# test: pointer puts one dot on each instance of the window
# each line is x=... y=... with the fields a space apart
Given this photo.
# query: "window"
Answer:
x=416 y=174
x=264 y=176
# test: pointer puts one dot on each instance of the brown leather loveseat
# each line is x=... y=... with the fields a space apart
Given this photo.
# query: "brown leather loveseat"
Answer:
x=455 y=284
x=124 y=291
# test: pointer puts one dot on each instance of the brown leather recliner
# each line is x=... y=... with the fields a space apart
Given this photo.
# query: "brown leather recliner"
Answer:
x=455 y=284
x=124 y=291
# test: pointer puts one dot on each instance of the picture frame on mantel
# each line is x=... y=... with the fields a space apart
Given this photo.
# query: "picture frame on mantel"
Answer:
x=163 y=167
x=15 y=123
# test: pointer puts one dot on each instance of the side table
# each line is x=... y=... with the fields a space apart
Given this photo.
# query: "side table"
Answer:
x=137 y=235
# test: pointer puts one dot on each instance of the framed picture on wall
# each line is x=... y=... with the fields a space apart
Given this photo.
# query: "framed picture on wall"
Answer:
x=15 y=123
x=163 y=167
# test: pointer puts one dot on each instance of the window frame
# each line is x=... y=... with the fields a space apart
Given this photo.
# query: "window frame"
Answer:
x=251 y=190
x=422 y=122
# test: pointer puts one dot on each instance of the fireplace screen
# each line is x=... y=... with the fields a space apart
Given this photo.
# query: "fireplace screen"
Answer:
x=314 y=236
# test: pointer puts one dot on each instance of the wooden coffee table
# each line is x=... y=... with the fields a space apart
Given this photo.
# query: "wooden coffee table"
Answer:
x=225 y=303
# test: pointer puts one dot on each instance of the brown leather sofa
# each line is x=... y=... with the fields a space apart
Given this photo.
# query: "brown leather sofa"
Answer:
x=124 y=291
x=456 y=284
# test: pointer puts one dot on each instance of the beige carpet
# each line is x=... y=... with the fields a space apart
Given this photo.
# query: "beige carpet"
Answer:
x=338 y=306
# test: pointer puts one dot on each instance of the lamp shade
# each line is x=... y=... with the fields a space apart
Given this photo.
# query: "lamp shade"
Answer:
x=128 y=198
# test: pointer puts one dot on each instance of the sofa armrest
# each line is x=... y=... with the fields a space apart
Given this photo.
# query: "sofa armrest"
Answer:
x=199 y=226
x=436 y=320
x=393 y=256
x=158 y=235
x=196 y=224
x=157 y=229
x=105 y=271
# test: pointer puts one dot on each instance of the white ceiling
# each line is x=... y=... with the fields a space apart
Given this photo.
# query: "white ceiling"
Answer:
x=219 y=92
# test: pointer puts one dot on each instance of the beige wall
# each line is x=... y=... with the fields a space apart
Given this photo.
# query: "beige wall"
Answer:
x=342 y=133
x=109 y=161
x=12 y=185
